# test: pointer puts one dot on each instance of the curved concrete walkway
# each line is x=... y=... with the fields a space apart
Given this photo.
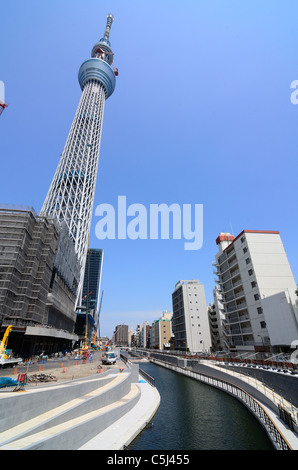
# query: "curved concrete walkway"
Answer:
x=86 y=404
x=121 y=433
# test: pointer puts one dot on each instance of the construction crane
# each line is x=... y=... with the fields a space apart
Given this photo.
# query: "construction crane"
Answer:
x=4 y=360
x=99 y=310
x=95 y=334
x=3 y=105
x=3 y=344
x=107 y=345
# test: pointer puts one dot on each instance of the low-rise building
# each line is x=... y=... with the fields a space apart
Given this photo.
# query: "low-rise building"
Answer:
x=161 y=331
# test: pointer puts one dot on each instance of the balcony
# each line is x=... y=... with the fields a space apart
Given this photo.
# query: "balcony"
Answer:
x=233 y=263
x=234 y=297
x=237 y=332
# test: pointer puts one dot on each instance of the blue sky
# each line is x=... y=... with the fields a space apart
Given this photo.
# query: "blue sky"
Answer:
x=201 y=114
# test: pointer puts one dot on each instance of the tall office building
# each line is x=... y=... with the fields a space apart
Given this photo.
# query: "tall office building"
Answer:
x=190 y=317
x=71 y=194
x=90 y=296
x=256 y=292
x=121 y=335
x=92 y=279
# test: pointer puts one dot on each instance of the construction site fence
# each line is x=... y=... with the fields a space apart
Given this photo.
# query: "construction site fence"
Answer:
x=227 y=359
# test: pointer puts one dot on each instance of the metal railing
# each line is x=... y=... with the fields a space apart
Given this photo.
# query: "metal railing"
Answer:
x=144 y=374
x=242 y=395
x=147 y=377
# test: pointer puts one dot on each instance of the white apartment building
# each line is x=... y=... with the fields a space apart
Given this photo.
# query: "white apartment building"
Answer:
x=190 y=317
x=144 y=338
x=256 y=292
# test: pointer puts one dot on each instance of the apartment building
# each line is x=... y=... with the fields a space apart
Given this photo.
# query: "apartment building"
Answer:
x=161 y=331
x=145 y=335
x=256 y=292
x=190 y=317
x=216 y=318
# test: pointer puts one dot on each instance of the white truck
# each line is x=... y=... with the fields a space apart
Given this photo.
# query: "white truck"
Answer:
x=109 y=358
x=7 y=361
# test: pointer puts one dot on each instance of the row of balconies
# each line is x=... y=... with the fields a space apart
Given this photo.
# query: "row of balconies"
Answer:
x=229 y=255
x=238 y=331
x=231 y=319
x=234 y=296
x=230 y=266
x=230 y=276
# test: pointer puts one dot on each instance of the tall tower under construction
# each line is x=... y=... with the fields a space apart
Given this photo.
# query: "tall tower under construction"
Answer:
x=71 y=194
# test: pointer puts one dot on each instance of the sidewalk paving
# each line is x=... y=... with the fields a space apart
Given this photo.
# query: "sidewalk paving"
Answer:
x=121 y=433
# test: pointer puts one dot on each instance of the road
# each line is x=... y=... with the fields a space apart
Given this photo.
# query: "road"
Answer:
x=47 y=365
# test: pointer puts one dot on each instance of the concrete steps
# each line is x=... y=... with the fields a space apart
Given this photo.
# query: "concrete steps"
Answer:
x=79 y=411
x=19 y=407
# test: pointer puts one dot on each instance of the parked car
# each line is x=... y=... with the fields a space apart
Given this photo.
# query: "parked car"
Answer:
x=109 y=358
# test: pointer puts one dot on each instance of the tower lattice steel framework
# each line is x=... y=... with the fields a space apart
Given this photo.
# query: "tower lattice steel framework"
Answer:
x=71 y=194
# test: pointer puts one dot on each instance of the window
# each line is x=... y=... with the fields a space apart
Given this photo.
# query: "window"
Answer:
x=263 y=324
x=245 y=249
x=259 y=310
x=247 y=260
x=253 y=284
x=257 y=297
x=242 y=239
x=250 y=272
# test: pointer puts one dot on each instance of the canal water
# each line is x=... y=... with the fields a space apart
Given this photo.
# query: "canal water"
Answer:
x=195 y=416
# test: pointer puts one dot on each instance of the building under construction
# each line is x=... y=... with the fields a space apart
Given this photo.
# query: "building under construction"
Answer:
x=39 y=275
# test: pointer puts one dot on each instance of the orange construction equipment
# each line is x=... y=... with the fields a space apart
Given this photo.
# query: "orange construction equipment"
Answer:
x=2 y=107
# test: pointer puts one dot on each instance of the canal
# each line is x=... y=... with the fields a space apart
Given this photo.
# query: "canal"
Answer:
x=195 y=416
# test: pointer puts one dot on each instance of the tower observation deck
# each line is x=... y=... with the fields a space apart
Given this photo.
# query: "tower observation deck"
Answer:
x=71 y=194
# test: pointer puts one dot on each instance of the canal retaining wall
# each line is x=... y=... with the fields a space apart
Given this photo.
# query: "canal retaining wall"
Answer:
x=257 y=402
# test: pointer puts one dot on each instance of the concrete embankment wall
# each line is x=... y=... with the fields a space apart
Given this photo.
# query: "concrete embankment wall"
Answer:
x=254 y=399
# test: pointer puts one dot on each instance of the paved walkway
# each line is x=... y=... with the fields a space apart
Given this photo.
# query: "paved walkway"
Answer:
x=121 y=433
